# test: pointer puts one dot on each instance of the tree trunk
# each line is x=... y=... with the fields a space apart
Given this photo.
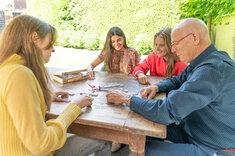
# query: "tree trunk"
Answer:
x=208 y=23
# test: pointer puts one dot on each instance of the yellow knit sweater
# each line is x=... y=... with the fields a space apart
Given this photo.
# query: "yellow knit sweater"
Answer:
x=23 y=130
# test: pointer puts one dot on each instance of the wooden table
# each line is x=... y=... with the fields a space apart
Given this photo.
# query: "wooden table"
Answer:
x=110 y=121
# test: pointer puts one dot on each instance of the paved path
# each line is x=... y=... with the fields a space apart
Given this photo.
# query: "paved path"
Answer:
x=70 y=58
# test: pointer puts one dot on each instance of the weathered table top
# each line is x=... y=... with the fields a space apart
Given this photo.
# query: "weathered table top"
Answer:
x=110 y=116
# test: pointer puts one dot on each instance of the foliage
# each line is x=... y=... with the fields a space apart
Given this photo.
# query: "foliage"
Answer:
x=205 y=9
x=143 y=43
x=85 y=23
x=70 y=38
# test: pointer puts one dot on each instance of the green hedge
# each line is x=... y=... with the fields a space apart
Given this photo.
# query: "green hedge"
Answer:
x=85 y=23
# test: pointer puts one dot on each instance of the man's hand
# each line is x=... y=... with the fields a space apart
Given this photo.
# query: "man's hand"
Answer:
x=116 y=97
x=142 y=78
x=149 y=92
x=60 y=96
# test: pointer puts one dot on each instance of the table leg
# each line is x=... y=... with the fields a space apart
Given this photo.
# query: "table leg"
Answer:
x=137 y=145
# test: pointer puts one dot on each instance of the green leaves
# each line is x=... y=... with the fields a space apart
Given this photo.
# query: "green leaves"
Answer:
x=85 y=23
x=203 y=9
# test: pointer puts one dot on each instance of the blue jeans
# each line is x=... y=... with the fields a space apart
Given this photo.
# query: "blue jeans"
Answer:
x=82 y=146
x=180 y=145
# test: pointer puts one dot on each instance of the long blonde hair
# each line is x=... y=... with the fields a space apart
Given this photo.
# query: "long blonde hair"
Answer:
x=165 y=33
x=108 y=46
x=16 y=38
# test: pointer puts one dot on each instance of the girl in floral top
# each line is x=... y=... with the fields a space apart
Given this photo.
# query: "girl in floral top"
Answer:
x=116 y=55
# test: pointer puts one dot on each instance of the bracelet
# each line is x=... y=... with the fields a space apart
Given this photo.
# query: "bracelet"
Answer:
x=90 y=66
x=136 y=74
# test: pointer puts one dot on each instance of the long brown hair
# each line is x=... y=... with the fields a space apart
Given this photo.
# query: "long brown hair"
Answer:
x=16 y=38
x=165 y=33
x=108 y=46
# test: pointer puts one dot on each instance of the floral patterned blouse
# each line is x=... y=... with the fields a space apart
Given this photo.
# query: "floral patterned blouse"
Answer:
x=124 y=61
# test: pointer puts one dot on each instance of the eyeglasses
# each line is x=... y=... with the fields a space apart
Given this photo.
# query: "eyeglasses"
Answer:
x=177 y=42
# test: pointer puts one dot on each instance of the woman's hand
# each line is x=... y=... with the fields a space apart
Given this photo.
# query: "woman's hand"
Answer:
x=60 y=96
x=116 y=97
x=149 y=92
x=142 y=78
x=90 y=72
x=83 y=101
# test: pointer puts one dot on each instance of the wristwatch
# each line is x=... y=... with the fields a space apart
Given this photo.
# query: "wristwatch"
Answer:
x=127 y=98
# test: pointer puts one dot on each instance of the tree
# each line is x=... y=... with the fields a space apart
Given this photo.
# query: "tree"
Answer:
x=85 y=23
x=210 y=11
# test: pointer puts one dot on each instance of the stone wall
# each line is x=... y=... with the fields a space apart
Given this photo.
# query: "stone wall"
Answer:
x=19 y=4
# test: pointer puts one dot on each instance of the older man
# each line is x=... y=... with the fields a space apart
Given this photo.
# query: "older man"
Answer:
x=199 y=109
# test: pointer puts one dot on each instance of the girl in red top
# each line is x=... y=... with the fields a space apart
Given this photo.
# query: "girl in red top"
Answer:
x=161 y=62
x=116 y=55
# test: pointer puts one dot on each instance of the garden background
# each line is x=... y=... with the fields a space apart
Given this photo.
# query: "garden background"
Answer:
x=85 y=23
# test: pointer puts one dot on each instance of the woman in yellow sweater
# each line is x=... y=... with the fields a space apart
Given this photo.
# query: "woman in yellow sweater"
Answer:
x=25 y=45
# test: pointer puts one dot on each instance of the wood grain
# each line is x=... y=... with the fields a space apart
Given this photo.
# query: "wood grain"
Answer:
x=110 y=121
